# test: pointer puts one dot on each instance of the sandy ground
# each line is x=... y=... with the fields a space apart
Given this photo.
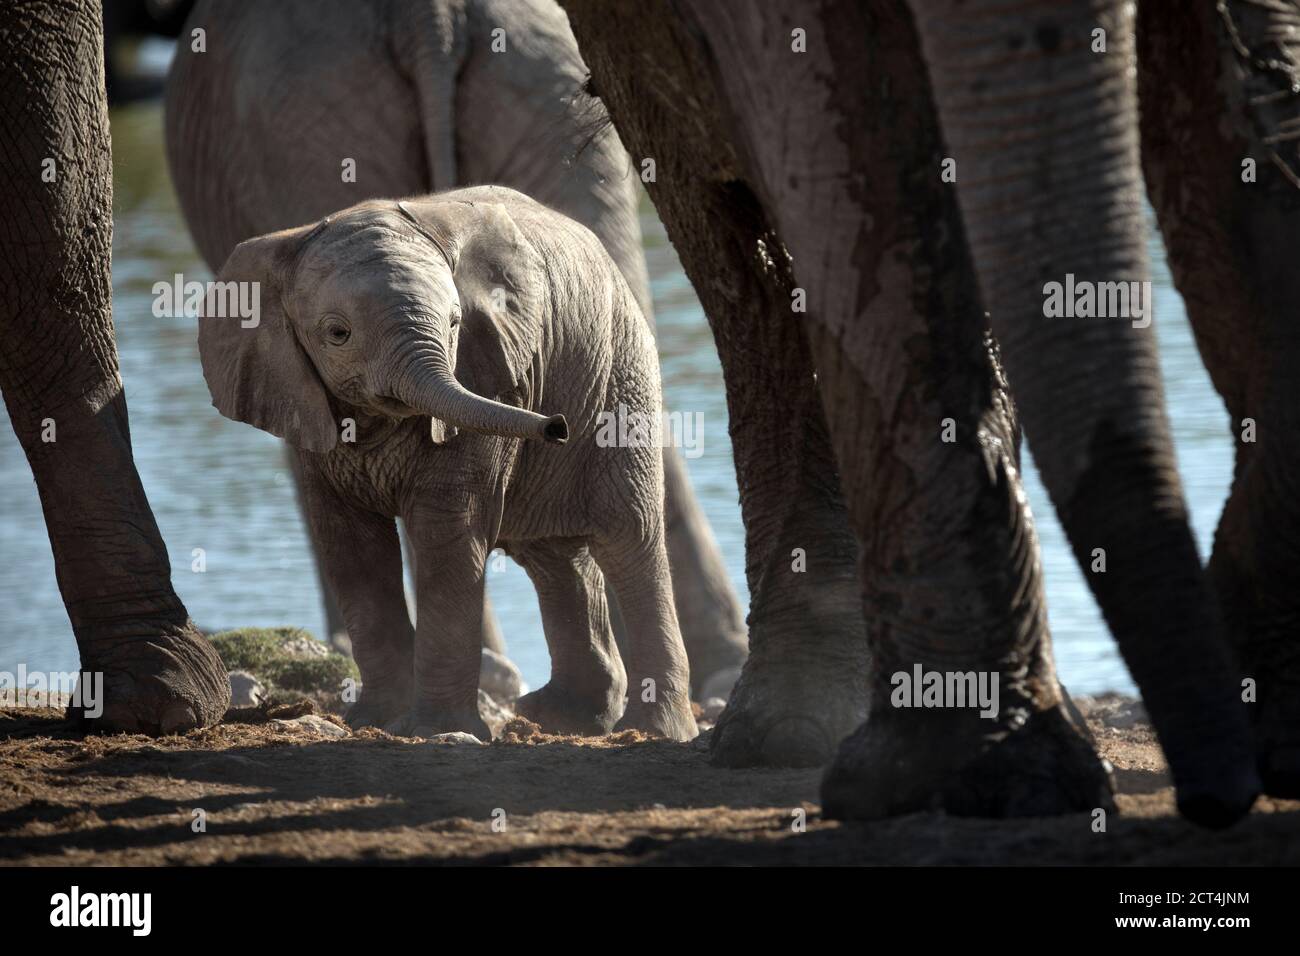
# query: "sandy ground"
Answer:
x=287 y=794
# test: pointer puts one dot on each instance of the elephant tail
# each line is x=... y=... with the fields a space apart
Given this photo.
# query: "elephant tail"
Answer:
x=433 y=45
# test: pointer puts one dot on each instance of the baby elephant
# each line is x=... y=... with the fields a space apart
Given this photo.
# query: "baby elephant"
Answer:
x=453 y=360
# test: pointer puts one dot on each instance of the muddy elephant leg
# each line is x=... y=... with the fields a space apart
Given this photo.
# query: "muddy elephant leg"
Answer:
x=587 y=685
x=1218 y=87
x=920 y=420
x=658 y=675
x=59 y=375
x=361 y=559
x=804 y=684
x=1060 y=201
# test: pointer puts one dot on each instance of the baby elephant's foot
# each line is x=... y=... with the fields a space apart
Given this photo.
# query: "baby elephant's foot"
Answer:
x=671 y=719
x=558 y=710
x=430 y=723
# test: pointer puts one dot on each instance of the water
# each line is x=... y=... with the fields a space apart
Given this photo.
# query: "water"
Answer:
x=222 y=487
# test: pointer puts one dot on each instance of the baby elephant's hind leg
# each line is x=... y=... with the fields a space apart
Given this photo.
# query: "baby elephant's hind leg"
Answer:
x=587 y=685
x=658 y=675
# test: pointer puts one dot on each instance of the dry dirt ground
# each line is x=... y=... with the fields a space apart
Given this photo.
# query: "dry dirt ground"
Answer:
x=274 y=795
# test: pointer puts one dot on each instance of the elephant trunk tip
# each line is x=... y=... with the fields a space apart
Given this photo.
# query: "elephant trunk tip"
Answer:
x=556 y=430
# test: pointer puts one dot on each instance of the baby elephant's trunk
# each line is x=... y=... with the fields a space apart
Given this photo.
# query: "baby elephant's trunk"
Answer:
x=431 y=389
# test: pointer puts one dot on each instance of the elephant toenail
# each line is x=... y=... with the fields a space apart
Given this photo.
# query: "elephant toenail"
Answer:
x=177 y=718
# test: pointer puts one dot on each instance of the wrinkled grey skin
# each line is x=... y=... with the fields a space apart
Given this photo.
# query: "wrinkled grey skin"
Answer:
x=1100 y=434
x=259 y=125
x=835 y=156
x=365 y=317
x=1226 y=78
x=59 y=370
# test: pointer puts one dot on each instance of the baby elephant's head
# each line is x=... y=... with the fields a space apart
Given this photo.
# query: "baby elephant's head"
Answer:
x=385 y=305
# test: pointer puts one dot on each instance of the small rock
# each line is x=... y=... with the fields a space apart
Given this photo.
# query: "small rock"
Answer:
x=499 y=676
x=246 y=690
x=1127 y=715
x=313 y=723
x=455 y=737
x=1113 y=710
x=305 y=647
x=713 y=708
x=27 y=697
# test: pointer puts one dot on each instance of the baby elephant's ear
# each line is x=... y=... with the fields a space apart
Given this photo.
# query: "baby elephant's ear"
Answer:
x=499 y=279
x=255 y=368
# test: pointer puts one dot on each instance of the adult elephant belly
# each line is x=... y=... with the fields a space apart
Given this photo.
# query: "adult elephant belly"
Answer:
x=264 y=142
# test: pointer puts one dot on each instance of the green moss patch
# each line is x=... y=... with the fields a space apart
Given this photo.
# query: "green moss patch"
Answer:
x=270 y=654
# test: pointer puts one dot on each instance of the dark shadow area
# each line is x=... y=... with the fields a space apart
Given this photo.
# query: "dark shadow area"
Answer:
x=272 y=798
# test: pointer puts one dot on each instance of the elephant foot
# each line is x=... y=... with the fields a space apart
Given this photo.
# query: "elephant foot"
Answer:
x=162 y=684
x=776 y=718
x=560 y=711
x=664 y=718
x=1279 y=771
x=1027 y=764
x=374 y=710
x=426 y=723
x=1277 y=744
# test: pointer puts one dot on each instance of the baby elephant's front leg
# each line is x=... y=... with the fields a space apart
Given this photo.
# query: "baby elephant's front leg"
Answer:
x=363 y=563
x=449 y=564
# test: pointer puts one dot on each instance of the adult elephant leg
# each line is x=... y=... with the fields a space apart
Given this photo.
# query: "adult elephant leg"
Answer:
x=1219 y=92
x=922 y=426
x=61 y=384
x=1044 y=136
x=804 y=684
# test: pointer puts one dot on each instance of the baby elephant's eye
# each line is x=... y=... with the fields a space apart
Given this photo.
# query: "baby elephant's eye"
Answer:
x=337 y=333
